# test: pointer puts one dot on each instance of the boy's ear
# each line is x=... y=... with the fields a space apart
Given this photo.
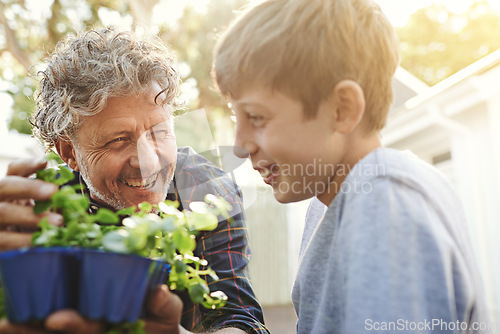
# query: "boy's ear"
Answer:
x=66 y=151
x=349 y=104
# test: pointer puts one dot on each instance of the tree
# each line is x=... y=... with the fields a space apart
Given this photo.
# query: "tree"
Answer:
x=29 y=38
x=436 y=43
x=194 y=41
x=29 y=31
x=194 y=38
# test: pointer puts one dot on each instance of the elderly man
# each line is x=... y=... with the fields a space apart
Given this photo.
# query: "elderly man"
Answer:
x=105 y=104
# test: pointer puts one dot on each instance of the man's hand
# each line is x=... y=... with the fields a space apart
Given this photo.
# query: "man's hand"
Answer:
x=17 y=196
x=165 y=309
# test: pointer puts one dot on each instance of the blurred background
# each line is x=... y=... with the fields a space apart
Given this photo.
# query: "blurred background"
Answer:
x=447 y=110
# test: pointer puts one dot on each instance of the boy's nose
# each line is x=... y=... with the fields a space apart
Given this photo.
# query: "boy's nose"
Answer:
x=244 y=146
x=146 y=158
x=240 y=152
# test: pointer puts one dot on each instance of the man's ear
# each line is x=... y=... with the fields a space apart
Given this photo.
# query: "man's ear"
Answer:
x=66 y=151
x=349 y=103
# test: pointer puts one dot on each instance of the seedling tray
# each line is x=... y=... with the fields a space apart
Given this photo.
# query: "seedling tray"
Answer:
x=100 y=285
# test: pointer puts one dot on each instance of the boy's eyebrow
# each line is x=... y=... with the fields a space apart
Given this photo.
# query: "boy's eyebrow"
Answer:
x=243 y=104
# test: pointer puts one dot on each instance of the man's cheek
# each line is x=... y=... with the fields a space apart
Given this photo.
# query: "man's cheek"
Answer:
x=169 y=154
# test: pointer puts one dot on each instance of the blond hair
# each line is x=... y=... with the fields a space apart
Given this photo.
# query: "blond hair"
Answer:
x=303 y=48
x=84 y=71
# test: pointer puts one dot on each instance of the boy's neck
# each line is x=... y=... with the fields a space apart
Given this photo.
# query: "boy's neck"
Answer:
x=364 y=146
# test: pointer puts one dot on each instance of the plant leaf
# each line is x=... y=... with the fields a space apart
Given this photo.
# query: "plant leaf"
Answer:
x=41 y=206
x=106 y=216
x=114 y=241
x=198 y=291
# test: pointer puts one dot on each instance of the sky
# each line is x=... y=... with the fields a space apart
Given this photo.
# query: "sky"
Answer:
x=397 y=11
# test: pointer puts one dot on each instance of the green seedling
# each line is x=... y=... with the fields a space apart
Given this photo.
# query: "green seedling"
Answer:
x=156 y=231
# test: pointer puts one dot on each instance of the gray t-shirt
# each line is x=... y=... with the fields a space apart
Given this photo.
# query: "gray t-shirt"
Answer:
x=391 y=255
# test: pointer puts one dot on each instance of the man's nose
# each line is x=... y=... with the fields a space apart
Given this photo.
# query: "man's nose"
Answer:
x=146 y=157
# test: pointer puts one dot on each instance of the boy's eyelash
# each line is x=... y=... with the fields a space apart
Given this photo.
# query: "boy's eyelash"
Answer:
x=255 y=120
x=254 y=116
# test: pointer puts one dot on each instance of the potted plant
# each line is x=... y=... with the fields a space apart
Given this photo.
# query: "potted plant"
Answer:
x=103 y=265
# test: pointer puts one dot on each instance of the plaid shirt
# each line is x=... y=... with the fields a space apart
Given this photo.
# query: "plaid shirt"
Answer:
x=225 y=248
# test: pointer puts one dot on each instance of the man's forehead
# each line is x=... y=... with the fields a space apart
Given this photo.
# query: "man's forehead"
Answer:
x=119 y=113
x=158 y=94
x=130 y=114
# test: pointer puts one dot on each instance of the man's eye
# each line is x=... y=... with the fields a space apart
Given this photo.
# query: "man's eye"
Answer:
x=117 y=140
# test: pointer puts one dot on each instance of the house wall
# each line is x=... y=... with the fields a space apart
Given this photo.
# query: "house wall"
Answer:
x=275 y=232
x=268 y=234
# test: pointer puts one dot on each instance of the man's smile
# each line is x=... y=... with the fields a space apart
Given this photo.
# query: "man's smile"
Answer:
x=143 y=184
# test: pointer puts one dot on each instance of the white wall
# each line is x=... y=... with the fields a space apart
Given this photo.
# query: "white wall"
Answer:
x=275 y=232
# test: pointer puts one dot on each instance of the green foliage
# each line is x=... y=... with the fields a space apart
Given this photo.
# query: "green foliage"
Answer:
x=3 y=314
x=436 y=43
x=32 y=34
x=21 y=92
x=157 y=231
x=168 y=235
x=194 y=41
x=127 y=328
x=193 y=38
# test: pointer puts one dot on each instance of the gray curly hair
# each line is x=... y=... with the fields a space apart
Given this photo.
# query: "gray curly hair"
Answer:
x=84 y=71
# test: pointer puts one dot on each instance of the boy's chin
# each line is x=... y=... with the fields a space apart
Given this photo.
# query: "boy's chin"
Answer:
x=289 y=197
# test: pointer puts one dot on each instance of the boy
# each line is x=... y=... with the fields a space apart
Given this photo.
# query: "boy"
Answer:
x=310 y=82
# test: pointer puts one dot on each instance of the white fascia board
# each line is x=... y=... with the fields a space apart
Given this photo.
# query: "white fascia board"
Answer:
x=412 y=122
x=405 y=125
x=483 y=65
